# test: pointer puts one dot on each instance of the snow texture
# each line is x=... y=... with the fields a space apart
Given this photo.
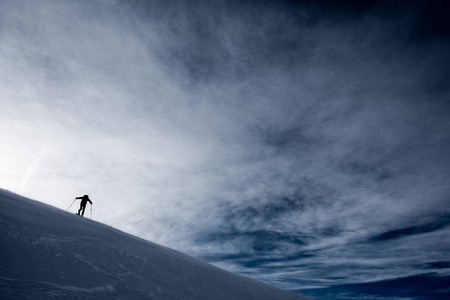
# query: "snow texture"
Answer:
x=48 y=253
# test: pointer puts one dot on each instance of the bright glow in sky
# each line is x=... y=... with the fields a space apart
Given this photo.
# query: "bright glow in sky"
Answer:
x=283 y=141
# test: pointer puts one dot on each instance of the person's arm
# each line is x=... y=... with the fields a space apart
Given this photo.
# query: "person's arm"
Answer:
x=79 y=198
x=90 y=201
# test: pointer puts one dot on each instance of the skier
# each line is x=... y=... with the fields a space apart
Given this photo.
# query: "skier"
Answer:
x=84 y=201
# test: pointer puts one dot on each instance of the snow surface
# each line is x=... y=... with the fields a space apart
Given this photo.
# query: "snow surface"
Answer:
x=48 y=253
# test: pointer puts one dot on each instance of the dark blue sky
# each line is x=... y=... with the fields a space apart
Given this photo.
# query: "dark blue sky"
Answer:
x=302 y=143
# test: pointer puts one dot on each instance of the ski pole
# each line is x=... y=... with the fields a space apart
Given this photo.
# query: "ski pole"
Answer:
x=72 y=204
x=91 y=211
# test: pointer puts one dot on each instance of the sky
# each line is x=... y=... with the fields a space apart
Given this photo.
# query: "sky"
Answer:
x=301 y=143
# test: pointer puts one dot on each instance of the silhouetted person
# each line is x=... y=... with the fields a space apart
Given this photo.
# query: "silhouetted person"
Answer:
x=84 y=201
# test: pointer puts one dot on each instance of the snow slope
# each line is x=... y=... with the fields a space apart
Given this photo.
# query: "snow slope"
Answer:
x=47 y=253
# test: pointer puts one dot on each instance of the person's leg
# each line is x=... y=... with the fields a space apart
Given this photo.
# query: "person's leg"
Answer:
x=81 y=207
x=82 y=213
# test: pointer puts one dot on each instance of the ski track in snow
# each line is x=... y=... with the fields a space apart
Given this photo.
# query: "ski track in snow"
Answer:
x=17 y=288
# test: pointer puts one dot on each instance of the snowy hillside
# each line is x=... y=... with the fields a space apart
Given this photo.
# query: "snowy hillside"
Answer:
x=47 y=253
